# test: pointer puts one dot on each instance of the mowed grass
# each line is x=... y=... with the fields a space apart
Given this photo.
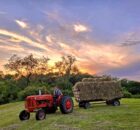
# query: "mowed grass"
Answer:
x=98 y=117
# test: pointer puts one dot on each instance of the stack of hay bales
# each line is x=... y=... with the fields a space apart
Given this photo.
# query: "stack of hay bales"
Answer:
x=97 y=88
x=98 y=78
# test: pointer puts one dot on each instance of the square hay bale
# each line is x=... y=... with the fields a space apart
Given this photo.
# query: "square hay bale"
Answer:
x=97 y=79
x=101 y=90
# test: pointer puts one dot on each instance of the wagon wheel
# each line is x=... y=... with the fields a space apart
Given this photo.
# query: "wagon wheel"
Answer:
x=86 y=105
x=116 y=103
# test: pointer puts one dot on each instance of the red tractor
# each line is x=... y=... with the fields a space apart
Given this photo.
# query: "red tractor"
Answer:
x=43 y=104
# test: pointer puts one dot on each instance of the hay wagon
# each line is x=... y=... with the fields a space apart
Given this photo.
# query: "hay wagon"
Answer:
x=97 y=89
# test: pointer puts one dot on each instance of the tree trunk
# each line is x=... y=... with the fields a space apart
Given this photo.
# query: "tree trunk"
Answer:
x=28 y=79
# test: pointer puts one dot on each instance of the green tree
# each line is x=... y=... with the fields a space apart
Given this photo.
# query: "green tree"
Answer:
x=26 y=66
x=66 y=66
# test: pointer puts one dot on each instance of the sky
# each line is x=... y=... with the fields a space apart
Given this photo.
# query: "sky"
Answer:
x=103 y=35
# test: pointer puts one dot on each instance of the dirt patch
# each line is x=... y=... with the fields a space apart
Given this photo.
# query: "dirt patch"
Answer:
x=65 y=127
x=11 y=127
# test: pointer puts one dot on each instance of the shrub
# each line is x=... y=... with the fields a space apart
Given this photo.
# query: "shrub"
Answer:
x=134 y=89
x=127 y=94
x=8 y=91
x=31 y=90
x=67 y=92
x=65 y=86
x=136 y=96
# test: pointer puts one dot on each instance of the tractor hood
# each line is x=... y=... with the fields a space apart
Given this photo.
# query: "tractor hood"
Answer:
x=40 y=97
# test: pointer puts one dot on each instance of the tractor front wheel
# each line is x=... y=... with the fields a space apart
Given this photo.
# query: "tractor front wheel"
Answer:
x=24 y=115
x=66 y=105
x=40 y=115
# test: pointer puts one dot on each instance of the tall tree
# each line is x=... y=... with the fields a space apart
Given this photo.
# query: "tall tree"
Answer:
x=26 y=66
x=42 y=67
x=66 y=66
x=1 y=75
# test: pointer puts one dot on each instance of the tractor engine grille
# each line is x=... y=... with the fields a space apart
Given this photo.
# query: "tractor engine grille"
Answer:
x=30 y=103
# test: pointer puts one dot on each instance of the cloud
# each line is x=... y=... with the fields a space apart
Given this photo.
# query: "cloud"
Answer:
x=96 y=58
x=80 y=28
x=10 y=46
x=2 y=62
x=53 y=15
x=130 y=39
x=130 y=71
x=15 y=40
x=22 y=38
x=13 y=48
x=21 y=24
x=49 y=38
x=3 y=12
x=100 y=58
x=130 y=43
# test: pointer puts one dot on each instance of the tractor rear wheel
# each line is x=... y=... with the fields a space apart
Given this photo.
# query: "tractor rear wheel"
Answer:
x=24 y=115
x=40 y=115
x=66 y=105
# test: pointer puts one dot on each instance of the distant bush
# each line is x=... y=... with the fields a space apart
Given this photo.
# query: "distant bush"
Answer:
x=131 y=86
x=127 y=94
x=67 y=92
x=8 y=91
x=31 y=90
x=134 y=89
x=136 y=96
x=64 y=85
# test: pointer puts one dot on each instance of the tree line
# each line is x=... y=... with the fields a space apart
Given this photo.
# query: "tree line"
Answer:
x=26 y=75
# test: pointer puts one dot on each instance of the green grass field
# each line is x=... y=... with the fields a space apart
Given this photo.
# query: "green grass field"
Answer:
x=98 y=117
